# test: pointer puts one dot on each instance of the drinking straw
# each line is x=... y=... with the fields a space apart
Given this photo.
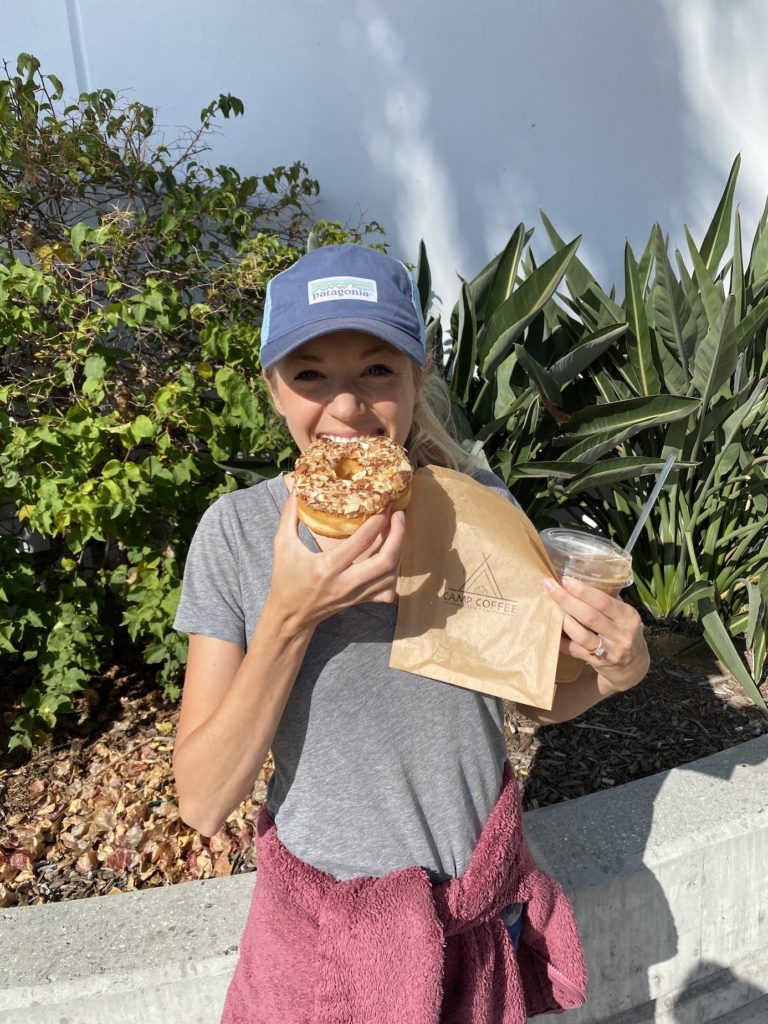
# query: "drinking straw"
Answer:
x=650 y=503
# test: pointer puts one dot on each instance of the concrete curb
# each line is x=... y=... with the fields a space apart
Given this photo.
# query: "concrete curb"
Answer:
x=667 y=876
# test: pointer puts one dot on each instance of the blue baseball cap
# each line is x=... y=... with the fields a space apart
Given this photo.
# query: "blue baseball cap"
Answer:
x=342 y=288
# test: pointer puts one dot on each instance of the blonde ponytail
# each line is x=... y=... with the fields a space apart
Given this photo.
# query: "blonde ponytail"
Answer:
x=431 y=438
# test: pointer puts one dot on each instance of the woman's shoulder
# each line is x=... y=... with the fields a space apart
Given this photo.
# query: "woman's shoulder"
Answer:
x=489 y=479
x=249 y=507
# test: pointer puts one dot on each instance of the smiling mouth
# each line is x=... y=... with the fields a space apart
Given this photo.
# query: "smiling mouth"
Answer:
x=342 y=438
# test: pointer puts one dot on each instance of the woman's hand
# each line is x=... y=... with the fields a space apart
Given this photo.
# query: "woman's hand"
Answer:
x=594 y=621
x=308 y=586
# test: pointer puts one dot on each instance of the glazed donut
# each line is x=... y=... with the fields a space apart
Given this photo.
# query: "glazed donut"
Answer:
x=340 y=484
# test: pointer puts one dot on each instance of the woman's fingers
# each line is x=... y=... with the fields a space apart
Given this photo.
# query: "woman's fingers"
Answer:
x=287 y=533
x=363 y=542
x=381 y=569
x=595 y=621
x=590 y=607
x=362 y=567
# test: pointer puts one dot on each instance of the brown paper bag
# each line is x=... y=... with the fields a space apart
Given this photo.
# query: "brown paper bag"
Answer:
x=472 y=610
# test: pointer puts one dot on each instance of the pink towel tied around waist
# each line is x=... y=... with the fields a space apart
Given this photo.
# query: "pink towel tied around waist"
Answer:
x=399 y=950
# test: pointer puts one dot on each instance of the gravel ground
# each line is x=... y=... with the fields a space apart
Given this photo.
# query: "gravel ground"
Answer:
x=93 y=811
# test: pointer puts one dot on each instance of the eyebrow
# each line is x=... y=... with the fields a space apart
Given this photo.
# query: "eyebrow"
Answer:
x=306 y=357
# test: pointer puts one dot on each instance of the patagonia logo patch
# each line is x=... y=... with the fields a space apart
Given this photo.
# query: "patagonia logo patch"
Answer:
x=326 y=289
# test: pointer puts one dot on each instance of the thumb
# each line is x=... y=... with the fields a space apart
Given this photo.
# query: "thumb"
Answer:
x=288 y=526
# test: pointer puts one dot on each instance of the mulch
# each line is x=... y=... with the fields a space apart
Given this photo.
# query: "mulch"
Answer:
x=92 y=811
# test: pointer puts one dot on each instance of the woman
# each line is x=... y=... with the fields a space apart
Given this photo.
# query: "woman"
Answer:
x=390 y=791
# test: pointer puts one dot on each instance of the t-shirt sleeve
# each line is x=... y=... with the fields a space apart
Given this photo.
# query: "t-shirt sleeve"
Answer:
x=211 y=601
x=496 y=484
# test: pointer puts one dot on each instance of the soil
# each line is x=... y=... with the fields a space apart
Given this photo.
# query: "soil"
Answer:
x=92 y=810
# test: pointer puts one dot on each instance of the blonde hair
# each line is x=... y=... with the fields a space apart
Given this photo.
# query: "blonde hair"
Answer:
x=431 y=439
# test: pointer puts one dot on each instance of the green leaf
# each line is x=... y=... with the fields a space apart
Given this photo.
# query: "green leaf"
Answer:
x=645 y=412
x=721 y=643
x=465 y=349
x=251 y=471
x=719 y=231
x=613 y=471
x=569 y=366
x=674 y=317
x=737 y=272
x=710 y=296
x=646 y=262
x=676 y=380
x=314 y=238
x=759 y=648
x=722 y=410
x=509 y=320
x=556 y=470
x=504 y=278
x=434 y=338
x=424 y=279
x=752 y=322
x=142 y=428
x=479 y=286
x=506 y=398
x=693 y=297
x=639 y=344
x=730 y=428
x=77 y=237
x=758 y=262
x=94 y=367
x=755 y=605
x=582 y=285
x=57 y=86
x=596 y=445
x=716 y=355
x=691 y=596
x=541 y=377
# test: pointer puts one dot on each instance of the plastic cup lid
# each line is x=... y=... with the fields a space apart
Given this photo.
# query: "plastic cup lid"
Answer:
x=587 y=555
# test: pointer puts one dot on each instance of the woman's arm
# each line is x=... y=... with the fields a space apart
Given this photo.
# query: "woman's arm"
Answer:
x=232 y=702
x=573 y=699
x=590 y=615
x=230 y=711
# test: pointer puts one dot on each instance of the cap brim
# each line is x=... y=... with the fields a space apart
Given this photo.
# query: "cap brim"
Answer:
x=279 y=348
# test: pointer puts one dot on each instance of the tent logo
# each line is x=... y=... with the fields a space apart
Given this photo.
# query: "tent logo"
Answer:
x=480 y=590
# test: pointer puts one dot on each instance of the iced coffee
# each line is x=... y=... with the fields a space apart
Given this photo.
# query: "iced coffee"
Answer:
x=592 y=559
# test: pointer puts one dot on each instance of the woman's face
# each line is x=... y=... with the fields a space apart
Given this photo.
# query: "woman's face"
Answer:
x=344 y=386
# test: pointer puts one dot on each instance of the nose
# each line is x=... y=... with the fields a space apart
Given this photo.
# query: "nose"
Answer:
x=347 y=404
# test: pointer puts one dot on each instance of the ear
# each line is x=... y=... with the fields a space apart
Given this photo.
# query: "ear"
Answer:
x=271 y=383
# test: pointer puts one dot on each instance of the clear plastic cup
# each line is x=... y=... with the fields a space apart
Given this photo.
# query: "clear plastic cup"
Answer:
x=592 y=559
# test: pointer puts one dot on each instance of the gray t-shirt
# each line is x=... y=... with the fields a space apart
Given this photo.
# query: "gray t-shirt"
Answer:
x=375 y=769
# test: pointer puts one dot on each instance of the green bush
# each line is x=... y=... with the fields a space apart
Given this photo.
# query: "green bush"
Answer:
x=131 y=284
x=578 y=399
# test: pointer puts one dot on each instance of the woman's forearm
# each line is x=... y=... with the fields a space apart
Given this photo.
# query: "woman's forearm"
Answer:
x=217 y=765
x=573 y=699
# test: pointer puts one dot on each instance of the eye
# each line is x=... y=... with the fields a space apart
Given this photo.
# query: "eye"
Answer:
x=307 y=375
x=378 y=370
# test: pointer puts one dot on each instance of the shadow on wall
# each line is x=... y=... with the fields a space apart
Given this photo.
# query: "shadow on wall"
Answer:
x=667 y=947
x=452 y=123
x=477 y=121
x=724 y=82
x=722 y=992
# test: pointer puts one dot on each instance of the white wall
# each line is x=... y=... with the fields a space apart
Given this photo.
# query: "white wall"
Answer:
x=453 y=121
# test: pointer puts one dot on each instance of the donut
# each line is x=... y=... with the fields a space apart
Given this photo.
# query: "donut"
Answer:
x=340 y=484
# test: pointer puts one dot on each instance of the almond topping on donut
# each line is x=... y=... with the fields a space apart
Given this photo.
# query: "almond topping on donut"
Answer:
x=347 y=478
